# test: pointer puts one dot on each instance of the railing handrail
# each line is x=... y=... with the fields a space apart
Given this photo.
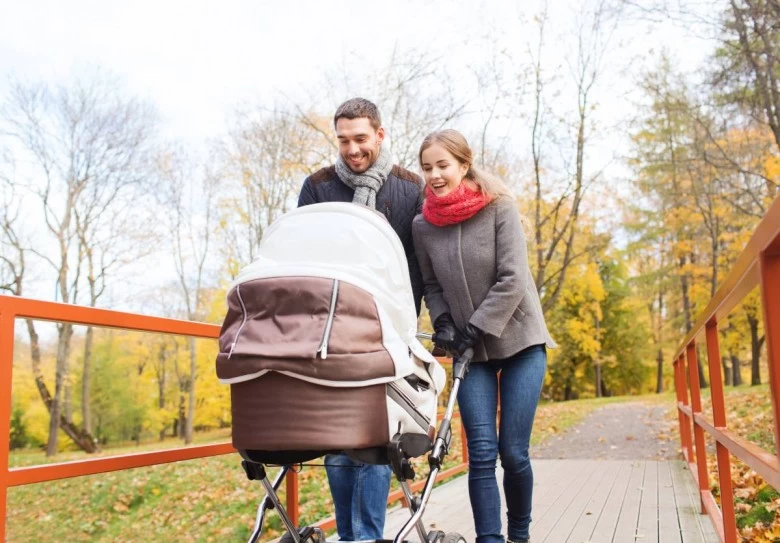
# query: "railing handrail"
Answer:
x=13 y=307
x=758 y=264
x=30 y=308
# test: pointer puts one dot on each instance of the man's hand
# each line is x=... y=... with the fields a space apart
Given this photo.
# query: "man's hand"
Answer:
x=445 y=335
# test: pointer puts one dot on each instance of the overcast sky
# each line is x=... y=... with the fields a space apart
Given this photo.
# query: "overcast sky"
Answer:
x=196 y=60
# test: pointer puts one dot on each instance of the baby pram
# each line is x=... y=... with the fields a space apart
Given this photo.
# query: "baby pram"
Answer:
x=319 y=346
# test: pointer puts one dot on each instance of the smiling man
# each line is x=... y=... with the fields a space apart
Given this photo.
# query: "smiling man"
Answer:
x=364 y=174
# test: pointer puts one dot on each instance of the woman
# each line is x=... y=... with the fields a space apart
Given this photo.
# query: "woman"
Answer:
x=480 y=293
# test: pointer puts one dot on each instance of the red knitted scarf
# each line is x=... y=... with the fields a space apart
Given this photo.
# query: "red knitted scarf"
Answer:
x=454 y=207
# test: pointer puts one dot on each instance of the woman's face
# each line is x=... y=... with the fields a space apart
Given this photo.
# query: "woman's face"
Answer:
x=443 y=172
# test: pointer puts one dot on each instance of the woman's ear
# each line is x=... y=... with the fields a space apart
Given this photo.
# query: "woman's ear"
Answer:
x=464 y=168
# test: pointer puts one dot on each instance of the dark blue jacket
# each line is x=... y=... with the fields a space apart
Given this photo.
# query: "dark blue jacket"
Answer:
x=399 y=199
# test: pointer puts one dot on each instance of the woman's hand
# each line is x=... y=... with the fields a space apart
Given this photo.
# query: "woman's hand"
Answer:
x=467 y=338
x=445 y=335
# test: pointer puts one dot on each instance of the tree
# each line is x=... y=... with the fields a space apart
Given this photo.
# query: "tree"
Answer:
x=749 y=65
x=187 y=198
x=83 y=141
x=262 y=162
x=556 y=217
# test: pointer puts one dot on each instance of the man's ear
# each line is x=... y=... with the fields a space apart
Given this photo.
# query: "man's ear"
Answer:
x=380 y=135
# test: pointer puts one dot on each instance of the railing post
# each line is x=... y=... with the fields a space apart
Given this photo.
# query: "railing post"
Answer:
x=769 y=268
x=6 y=375
x=698 y=431
x=719 y=419
x=292 y=496
x=685 y=424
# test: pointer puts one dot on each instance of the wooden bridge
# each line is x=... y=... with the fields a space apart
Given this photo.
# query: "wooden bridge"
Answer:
x=596 y=501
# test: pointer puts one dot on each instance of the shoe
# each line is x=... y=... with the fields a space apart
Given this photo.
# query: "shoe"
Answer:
x=518 y=541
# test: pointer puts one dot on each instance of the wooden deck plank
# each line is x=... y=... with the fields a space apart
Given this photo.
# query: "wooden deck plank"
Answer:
x=568 y=517
x=607 y=522
x=587 y=521
x=551 y=497
x=628 y=518
x=594 y=501
x=668 y=521
x=448 y=510
x=694 y=527
x=647 y=523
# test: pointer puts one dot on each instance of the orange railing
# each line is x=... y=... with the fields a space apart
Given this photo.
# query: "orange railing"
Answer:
x=12 y=308
x=759 y=264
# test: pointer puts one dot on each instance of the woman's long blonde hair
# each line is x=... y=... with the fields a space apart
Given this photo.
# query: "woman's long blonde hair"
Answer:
x=455 y=144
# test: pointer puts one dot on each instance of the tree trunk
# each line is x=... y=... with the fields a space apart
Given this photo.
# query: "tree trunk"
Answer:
x=702 y=378
x=81 y=438
x=191 y=392
x=567 y=391
x=726 y=371
x=755 y=351
x=598 y=381
x=659 y=376
x=161 y=379
x=57 y=410
x=736 y=370
x=86 y=414
x=182 y=413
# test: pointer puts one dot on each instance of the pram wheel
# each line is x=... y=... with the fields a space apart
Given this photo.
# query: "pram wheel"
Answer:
x=453 y=537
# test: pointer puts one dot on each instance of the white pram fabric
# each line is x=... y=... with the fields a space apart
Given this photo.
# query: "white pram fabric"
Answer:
x=320 y=325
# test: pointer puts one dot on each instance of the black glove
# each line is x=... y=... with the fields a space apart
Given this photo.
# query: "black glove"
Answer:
x=445 y=335
x=468 y=338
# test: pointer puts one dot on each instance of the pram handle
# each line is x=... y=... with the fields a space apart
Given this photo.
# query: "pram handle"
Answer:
x=442 y=443
x=423 y=335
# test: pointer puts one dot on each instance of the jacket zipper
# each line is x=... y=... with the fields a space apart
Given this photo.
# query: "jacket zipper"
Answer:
x=323 y=348
x=243 y=310
x=410 y=405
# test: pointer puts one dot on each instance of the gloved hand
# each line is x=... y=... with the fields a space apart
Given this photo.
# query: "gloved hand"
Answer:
x=467 y=338
x=445 y=333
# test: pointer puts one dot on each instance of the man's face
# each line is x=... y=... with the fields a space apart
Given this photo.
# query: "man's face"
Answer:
x=358 y=143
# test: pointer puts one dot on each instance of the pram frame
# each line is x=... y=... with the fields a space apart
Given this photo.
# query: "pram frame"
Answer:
x=416 y=506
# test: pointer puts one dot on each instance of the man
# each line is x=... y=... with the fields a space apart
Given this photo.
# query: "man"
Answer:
x=364 y=174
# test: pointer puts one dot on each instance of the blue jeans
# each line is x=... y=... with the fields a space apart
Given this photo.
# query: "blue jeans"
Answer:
x=360 y=496
x=520 y=384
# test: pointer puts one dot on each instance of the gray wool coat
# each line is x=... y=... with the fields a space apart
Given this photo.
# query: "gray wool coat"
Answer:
x=478 y=272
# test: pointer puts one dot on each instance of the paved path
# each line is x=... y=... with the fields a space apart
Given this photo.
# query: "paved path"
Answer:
x=620 y=431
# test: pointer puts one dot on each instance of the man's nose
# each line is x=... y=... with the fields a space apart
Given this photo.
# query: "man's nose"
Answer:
x=353 y=149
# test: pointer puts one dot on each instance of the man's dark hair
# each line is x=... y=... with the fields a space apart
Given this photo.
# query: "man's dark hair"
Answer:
x=357 y=108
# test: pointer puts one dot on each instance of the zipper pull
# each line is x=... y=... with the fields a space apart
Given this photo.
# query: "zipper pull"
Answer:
x=323 y=349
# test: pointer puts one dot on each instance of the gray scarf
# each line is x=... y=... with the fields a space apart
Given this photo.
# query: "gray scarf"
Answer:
x=368 y=183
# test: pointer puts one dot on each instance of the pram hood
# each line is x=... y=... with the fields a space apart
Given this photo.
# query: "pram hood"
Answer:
x=354 y=244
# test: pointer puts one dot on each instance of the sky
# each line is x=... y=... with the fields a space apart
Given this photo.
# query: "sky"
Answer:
x=196 y=61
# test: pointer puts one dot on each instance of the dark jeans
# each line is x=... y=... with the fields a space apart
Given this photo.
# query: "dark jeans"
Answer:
x=359 y=495
x=521 y=378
